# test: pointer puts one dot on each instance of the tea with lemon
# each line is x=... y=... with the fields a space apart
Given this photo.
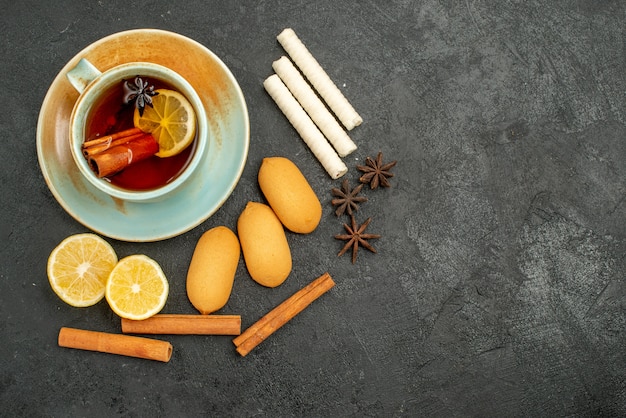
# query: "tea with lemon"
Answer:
x=116 y=112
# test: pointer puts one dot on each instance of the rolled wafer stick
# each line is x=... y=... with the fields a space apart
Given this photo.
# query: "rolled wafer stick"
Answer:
x=309 y=133
x=316 y=109
x=314 y=72
x=184 y=325
x=281 y=314
x=124 y=345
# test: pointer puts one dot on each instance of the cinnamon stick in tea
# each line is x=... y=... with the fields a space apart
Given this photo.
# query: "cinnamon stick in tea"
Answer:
x=96 y=149
x=110 y=138
x=280 y=315
x=184 y=325
x=119 y=157
x=124 y=345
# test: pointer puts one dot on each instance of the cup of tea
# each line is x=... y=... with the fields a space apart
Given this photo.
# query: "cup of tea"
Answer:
x=123 y=136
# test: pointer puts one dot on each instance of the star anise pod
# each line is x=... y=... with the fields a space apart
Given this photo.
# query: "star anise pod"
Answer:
x=355 y=237
x=347 y=200
x=375 y=172
x=140 y=92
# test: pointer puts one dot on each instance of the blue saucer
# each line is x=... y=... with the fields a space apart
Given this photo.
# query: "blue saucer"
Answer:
x=212 y=183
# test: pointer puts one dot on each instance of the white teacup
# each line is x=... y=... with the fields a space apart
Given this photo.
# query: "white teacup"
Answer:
x=92 y=84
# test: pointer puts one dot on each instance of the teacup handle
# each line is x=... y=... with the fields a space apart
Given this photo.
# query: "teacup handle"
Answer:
x=82 y=75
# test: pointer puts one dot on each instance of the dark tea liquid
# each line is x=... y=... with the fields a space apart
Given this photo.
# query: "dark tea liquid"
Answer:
x=111 y=115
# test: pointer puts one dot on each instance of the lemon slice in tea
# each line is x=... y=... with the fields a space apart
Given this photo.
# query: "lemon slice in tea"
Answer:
x=78 y=269
x=137 y=287
x=171 y=120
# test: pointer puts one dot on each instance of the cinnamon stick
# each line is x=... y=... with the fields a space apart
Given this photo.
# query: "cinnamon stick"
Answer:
x=280 y=315
x=124 y=345
x=119 y=157
x=98 y=148
x=184 y=325
x=109 y=138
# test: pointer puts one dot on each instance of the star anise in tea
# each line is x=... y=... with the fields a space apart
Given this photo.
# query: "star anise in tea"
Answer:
x=375 y=172
x=140 y=92
x=356 y=237
x=347 y=200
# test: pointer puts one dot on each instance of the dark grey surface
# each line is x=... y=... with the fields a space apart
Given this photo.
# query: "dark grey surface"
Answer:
x=499 y=285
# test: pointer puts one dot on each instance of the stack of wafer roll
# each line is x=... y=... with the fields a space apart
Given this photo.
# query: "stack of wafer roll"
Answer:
x=296 y=98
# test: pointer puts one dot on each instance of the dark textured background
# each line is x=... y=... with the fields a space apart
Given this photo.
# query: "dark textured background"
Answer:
x=499 y=287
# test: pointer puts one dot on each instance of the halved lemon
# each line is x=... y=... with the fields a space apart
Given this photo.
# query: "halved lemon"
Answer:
x=171 y=120
x=137 y=287
x=78 y=269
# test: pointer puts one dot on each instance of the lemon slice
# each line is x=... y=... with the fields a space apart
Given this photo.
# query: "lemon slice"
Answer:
x=78 y=269
x=137 y=287
x=171 y=120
